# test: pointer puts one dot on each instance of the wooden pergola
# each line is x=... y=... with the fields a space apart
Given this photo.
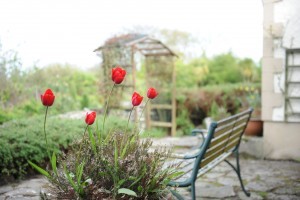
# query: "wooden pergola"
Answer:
x=160 y=71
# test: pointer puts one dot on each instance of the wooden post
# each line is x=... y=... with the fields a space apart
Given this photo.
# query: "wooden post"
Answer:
x=148 y=108
x=134 y=79
x=173 y=129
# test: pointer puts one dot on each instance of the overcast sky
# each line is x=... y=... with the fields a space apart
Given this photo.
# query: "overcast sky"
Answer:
x=67 y=31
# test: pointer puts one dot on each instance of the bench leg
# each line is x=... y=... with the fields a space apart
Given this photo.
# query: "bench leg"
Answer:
x=193 y=191
x=238 y=172
x=175 y=194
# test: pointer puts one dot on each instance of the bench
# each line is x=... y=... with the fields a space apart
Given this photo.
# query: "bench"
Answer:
x=222 y=140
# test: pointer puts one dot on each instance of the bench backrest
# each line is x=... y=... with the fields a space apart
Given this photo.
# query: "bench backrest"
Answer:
x=223 y=137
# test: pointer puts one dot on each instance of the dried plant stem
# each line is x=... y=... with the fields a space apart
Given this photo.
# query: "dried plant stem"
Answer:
x=105 y=112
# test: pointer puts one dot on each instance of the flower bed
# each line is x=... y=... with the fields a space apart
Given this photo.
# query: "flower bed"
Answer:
x=107 y=163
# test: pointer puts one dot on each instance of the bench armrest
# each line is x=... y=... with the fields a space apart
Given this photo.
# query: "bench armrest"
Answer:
x=189 y=155
x=202 y=132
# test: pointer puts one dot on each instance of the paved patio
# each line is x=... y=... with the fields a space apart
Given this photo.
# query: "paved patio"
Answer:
x=265 y=179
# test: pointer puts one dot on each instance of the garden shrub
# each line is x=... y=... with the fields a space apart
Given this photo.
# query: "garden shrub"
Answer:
x=232 y=98
x=183 y=122
x=22 y=140
x=121 y=166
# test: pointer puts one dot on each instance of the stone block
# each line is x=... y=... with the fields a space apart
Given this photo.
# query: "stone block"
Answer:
x=220 y=192
x=267 y=47
x=270 y=100
x=267 y=30
x=253 y=146
x=272 y=65
x=268 y=11
x=281 y=140
x=277 y=30
x=267 y=82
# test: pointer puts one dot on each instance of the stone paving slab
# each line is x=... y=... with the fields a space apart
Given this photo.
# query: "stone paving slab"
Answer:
x=266 y=179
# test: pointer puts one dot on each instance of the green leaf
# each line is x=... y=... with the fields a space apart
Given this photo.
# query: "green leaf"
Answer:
x=79 y=172
x=40 y=170
x=53 y=163
x=103 y=173
x=72 y=183
x=174 y=175
x=140 y=188
x=139 y=178
x=121 y=182
x=116 y=155
x=124 y=150
x=127 y=191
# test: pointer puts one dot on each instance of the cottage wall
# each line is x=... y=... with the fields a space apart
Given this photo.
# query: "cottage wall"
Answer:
x=281 y=27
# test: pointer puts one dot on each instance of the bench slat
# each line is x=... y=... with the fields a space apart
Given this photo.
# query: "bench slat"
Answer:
x=214 y=163
x=207 y=160
x=221 y=146
x=230 y=119
x=222 y=129
x=225 y=135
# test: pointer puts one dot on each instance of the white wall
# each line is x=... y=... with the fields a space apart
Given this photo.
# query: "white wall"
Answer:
x=281 y=31
x=286 y=35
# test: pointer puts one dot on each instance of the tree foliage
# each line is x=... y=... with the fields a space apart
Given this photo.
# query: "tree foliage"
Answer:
x=20 y=89
x=221 y=69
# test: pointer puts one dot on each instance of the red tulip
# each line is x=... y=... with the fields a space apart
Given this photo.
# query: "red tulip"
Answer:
x=152 y=93
x=136 y=99
x=118 y=74
x=48 y=98
x=90 y=118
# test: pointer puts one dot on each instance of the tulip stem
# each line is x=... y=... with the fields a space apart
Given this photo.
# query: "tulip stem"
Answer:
x=143 y=110
x=129 y=117
x=136 y=124
x=81 y=143
x=46 y=133
x=105 y=112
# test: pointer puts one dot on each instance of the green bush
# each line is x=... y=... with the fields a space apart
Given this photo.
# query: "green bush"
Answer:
x=184 y=124
x=23 y=140
x=154 y=133
x=231 y=98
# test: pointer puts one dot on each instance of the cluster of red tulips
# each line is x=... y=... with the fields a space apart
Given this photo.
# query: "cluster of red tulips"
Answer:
x=117 y=75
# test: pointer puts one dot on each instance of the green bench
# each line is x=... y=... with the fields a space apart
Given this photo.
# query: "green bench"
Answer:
x=222 y=140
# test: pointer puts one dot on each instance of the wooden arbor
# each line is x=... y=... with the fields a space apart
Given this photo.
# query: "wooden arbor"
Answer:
x=160 y=73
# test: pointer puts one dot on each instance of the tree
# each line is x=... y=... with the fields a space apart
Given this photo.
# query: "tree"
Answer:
x=10 y=75
x=247 y=67
x=224 y=69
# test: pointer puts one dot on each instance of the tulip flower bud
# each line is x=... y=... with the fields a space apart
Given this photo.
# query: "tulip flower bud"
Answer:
x=48 y=98
x=90 y=118
x=118 y=75
x=136 y=99
x=152 y=93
